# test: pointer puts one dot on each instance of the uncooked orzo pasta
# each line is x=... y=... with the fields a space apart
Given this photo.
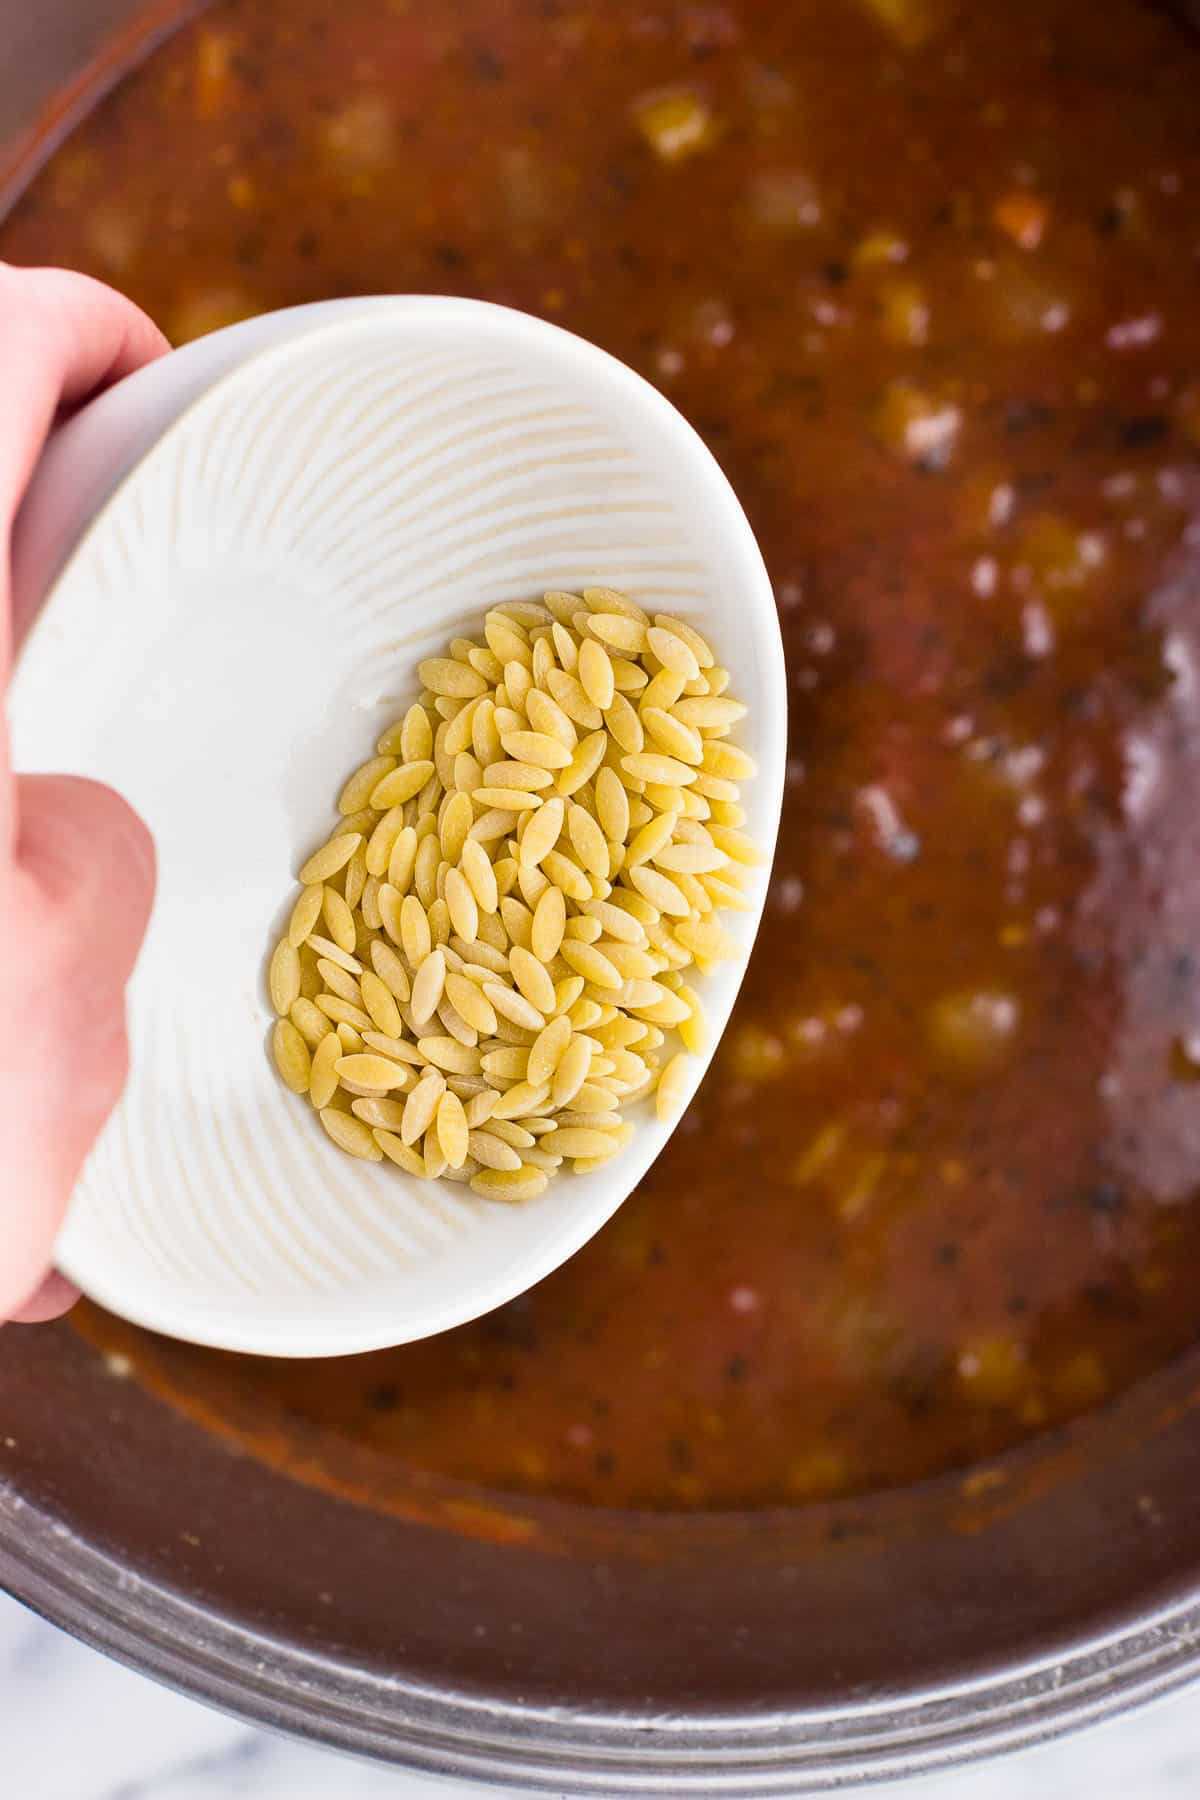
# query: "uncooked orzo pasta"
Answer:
x=539 y=848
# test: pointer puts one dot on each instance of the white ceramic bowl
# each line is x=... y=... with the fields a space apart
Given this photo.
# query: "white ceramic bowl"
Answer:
x=247 y=547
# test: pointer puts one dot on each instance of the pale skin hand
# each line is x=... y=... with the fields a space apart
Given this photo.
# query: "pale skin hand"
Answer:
x=76 y=864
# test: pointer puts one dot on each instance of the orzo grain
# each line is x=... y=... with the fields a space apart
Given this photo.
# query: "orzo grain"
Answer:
x=537 y=849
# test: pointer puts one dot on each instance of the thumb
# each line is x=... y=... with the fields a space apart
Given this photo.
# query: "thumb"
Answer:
x=86 y=866
x=53 y=1297
x=92 y=861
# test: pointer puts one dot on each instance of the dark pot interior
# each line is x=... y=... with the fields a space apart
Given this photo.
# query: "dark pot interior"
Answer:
x=538 y=1643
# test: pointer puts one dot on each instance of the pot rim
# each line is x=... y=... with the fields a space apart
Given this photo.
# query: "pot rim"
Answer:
x=874 y=1737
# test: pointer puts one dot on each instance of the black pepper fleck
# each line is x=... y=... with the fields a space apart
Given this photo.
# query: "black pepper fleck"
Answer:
x=485 y=64
x=1143 y=430
x=1007 y=675
x=1182 y=972
x=1027 y=415
x=248 y=250
x=841 y=1529
x=249 y=72
x=1104 y=1198
x=1103 y=1298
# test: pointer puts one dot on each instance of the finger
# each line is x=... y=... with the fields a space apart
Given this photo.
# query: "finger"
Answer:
x=81 y=894
x=91 y=859
x=58 y=1093
x=55 y=1296
x=49 y=1127
x=62 y=337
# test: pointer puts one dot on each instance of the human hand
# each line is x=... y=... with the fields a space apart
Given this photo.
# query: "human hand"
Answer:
x=76 y=864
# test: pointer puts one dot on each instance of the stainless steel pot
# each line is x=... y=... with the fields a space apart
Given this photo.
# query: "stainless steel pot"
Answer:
x=549 y=1647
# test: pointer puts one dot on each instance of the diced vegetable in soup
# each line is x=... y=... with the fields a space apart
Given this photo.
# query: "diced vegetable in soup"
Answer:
x=924 y=277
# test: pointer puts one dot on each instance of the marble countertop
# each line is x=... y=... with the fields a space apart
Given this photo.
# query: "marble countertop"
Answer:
x=77 y=1727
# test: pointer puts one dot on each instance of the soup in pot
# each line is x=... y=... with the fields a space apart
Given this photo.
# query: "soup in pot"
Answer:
x=924 y=276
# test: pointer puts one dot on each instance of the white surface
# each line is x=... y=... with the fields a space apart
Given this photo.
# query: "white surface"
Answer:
x=77 y=1727
x=233 y=633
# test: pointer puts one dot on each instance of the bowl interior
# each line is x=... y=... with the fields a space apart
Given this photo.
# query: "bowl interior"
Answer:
x=233 y=633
